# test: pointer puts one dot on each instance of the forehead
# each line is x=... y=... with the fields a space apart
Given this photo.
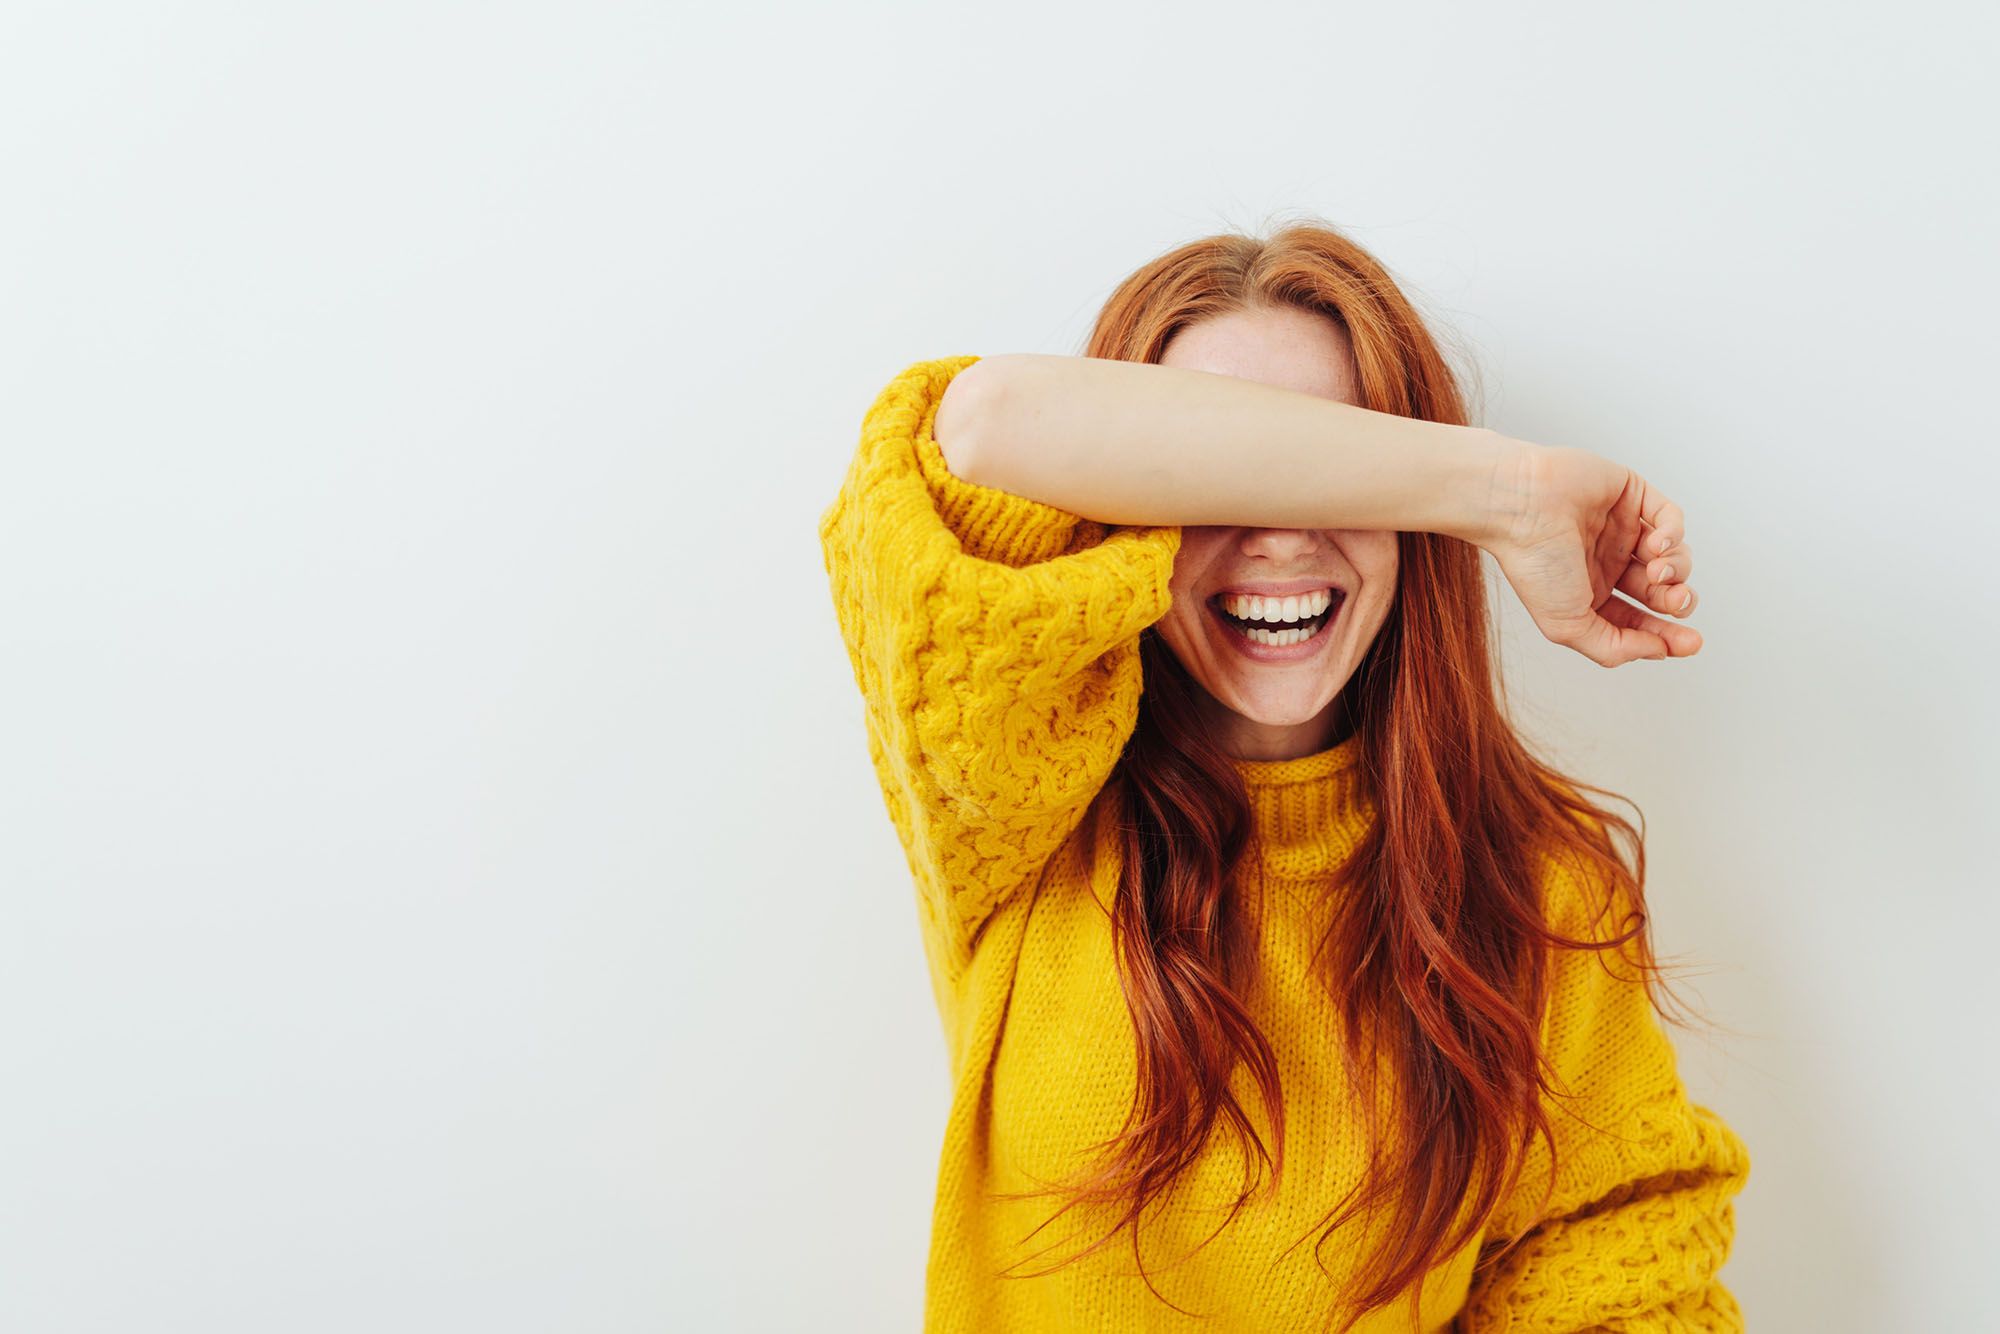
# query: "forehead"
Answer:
x=1275 y=345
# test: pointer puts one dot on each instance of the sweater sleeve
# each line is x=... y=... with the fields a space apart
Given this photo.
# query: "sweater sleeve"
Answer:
x=1642 y=1214
x=995 y=641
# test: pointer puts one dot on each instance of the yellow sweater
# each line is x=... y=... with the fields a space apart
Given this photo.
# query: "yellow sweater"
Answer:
x=995 y=643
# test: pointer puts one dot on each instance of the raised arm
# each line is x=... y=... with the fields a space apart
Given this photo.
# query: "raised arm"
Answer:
x=1137 y=443
x=1129 y=442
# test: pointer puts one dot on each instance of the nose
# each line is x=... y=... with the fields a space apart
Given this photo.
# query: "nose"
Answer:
x=1282 y=544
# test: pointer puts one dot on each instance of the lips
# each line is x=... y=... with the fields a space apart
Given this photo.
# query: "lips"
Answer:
x=1261 y=650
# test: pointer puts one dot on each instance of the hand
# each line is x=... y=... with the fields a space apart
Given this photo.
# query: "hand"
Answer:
x=1571 y=530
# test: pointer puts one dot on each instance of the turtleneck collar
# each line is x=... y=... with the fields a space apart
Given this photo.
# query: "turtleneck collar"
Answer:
x=1308 y=813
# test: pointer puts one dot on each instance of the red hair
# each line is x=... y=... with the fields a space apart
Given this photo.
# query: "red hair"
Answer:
x=1437 y=951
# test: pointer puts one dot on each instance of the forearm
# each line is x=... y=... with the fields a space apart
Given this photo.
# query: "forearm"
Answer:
x=1134 y=443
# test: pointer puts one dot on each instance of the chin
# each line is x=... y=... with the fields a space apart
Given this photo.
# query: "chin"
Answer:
x=1279 y=713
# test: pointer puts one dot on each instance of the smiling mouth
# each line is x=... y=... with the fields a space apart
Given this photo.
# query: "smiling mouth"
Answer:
x=1278 y=633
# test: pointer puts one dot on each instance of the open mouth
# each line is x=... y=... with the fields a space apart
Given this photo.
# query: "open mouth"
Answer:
x=1276 y=622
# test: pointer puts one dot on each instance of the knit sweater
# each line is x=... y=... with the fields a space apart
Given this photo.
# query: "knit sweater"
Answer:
x=994 y=639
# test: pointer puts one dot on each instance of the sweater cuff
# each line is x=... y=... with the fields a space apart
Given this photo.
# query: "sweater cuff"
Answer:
x=991 y=524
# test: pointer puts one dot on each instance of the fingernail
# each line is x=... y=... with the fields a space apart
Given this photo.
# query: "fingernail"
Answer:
x=1687 y=601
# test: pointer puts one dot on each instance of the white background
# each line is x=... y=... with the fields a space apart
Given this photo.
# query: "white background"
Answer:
x=444 y=886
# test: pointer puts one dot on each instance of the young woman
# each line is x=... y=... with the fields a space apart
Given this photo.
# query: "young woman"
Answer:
x=1283 y=987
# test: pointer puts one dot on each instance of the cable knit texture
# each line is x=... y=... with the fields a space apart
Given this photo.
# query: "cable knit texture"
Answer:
x=994 y=639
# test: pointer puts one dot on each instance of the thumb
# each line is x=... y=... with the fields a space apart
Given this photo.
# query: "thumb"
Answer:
x=1623 y=632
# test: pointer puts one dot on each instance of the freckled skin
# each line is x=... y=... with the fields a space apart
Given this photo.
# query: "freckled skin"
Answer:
x=1273 y=710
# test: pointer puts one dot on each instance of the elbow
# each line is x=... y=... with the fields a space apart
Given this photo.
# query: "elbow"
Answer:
x=965 y=415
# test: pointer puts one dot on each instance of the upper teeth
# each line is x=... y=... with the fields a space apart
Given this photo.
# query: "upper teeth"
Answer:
x=1299 y=608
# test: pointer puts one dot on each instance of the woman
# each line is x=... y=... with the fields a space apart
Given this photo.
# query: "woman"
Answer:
x=1283 y=988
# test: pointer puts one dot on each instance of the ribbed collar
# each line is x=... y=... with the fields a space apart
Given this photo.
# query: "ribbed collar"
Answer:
x=1308 y=813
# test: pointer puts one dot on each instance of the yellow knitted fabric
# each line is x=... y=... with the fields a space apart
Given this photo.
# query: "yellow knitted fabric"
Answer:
x=995 y=643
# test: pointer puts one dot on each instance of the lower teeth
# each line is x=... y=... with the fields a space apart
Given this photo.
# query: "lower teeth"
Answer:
x=1281 y=638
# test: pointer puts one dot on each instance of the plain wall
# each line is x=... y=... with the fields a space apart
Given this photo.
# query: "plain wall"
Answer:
x=444 y=883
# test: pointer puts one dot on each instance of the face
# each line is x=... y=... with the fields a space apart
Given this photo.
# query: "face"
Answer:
x=1276 y=700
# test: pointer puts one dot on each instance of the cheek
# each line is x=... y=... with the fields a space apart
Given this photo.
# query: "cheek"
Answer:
x=1379 y=570
x=1181 y=627
x=1378 y=558
x=1197 y=553
x=1378 y=564
x=1184 y=631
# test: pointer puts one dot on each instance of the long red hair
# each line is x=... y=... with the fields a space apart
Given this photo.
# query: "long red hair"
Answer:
x=1437 y=951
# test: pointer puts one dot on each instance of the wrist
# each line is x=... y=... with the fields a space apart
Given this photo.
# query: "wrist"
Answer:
x=1482 y=501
